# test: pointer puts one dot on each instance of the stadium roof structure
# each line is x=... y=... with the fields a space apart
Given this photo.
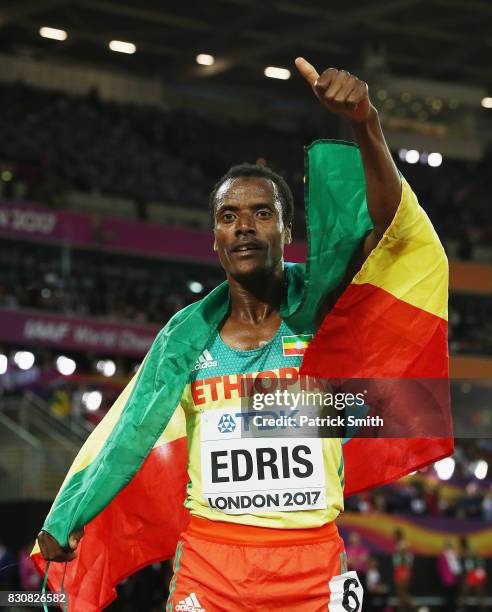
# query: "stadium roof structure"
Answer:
x=448 y=40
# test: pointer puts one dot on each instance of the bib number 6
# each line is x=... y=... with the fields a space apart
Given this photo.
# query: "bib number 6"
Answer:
x=346 y=593
x=350 y=601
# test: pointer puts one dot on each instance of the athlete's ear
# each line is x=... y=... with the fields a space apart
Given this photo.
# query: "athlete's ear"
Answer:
x=288 y=233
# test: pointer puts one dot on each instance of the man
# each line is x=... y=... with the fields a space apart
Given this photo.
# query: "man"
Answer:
x=239 y=551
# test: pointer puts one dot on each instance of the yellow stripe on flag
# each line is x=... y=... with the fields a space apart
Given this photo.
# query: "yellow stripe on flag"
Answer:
x=299 y=344
x=410 y=262
x=101 y=433
x=176 y=428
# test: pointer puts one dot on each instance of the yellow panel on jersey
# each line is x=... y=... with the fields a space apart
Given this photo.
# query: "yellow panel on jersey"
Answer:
x=278 y=482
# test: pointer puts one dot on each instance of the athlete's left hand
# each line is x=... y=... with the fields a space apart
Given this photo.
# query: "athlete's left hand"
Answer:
x=339 y=91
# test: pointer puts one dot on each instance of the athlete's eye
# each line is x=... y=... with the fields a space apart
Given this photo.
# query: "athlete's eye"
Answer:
x=265 y=213
x=228 y=217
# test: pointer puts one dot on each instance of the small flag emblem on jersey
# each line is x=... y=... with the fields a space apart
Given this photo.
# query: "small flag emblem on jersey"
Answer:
x=295 y=345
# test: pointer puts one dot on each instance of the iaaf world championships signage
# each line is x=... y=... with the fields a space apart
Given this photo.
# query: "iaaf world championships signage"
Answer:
x=30 y=328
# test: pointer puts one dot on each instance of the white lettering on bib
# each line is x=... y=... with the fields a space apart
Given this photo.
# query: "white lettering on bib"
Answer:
x=250 y=475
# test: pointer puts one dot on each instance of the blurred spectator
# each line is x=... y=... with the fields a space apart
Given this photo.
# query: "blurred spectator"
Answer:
x=374 y=588
x=469 y=506
x=418 y=502
x=474 y=578
x=449 y=569
x=433 y=501
x=402 y=572
x=357 y=556
x=487 y=507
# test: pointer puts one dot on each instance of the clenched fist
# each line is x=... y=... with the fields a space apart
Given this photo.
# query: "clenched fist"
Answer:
x=339 y=91
x=51 y=549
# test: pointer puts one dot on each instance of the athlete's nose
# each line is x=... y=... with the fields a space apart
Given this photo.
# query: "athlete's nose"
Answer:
x=245 y=225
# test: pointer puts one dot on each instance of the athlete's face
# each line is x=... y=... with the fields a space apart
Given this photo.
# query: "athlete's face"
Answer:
x=249 y=231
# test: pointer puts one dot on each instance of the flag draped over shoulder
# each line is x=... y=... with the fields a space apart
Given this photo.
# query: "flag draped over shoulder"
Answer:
x=390 y=323
x=127 y=485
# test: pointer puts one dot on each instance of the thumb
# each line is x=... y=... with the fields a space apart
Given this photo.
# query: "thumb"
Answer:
x=307 y=71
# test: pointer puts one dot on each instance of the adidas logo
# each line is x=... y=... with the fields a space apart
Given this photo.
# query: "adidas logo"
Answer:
x=205 y=361
x=190 y=604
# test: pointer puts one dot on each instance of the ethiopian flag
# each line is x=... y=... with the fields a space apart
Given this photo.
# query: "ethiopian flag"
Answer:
x=127 y=485
x=295 y=345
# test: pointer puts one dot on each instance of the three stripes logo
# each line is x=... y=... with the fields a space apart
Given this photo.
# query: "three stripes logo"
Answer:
x=189 y=604
x=205 y=361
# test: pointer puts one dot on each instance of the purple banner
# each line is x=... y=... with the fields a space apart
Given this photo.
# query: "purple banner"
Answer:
x=32 y=328
x=33 y=222
x=39 y=223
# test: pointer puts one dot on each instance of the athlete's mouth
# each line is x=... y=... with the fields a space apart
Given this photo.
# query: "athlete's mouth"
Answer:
x=247 y=246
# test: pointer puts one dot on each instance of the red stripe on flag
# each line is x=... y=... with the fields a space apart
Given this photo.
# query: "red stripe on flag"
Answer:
x=139 y=527
x=294 y=351
x=371 y=334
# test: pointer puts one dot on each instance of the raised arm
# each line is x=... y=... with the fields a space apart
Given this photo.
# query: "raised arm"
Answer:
x=344 y=94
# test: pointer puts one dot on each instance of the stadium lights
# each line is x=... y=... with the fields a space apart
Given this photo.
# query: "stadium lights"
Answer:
x=486 y=102
x=481 y=469
x=92 y=400
x=65 y=365
x=120 y=46
x=24 y=360
x=53 y=33
x=107 y=367
x=204 y=59
x=445 y=468
x=434 y=160
x=273 y=72
x=4 y=362
x=195 y=287
x=412 y=156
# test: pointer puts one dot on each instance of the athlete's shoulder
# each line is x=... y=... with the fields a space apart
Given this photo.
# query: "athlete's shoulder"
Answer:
x=201 y=310
x=183 y=314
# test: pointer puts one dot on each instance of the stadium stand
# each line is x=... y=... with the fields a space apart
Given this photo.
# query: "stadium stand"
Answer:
x=145 y=156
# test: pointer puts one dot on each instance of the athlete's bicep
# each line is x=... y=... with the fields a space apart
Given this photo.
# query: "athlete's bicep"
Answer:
x=371 y=241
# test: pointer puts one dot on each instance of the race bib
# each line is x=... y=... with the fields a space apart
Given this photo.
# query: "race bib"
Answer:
x=242 y=475
x=346 y=593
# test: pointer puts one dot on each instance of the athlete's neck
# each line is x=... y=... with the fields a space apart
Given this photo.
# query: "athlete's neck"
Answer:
x=255 y=300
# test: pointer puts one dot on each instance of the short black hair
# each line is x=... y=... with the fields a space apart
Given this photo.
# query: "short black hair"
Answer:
x=255 y=170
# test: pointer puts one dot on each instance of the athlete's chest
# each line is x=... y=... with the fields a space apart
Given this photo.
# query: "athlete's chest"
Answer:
x=246 y=337
x=223 y=375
